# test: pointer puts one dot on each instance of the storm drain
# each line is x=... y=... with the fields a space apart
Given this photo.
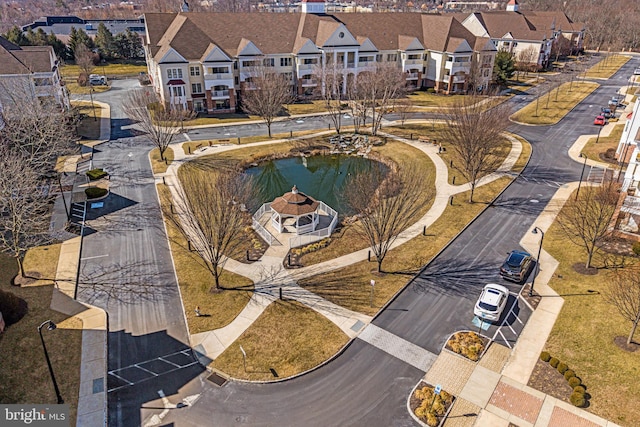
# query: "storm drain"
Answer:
x=217 y=379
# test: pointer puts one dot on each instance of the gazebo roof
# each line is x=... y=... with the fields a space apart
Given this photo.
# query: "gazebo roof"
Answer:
x=294 y=203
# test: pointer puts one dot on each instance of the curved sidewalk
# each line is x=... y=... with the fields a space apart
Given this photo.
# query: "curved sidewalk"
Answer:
x=270 y=277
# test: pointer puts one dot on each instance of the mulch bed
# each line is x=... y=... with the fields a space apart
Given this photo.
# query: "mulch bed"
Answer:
x=414 y=402
x=547 y=379
x=581 y=268
x=622 y=343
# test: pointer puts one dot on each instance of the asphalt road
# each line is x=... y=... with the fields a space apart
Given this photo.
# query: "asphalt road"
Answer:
x=363 y=385
x=126 y=269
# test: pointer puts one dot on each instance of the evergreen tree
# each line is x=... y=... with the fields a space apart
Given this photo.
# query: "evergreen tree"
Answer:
x=105 y=42
x=36 y=38
x=58 y=47
x=129 y=45
x=15 y=36
x=504 y=67
x=77 y=37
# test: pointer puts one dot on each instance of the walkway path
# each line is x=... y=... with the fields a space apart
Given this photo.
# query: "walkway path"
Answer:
x=270 y=277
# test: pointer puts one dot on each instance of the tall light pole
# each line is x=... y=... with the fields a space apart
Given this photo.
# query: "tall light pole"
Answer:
x=599 y=130
x=582 y=155
x=50 y=327
x=535 y=231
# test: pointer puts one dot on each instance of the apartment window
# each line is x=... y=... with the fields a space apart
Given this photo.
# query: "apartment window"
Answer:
x=309 y=61
x=196 y=88
x=365 y=59
x=194 y=71
x=379 y=57
x=177 y=90
x=218 y=70
x=288 y=76
x=174 y=73
x=414 y=56
x=268 y=62
x=285 y=62
x=392 y=57
x=250 y=63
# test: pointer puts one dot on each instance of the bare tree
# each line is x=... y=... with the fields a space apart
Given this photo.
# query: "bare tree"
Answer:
x=385 y=204
x=527 y=60
x=23 y=207
x=474 y=132
x=586 y=221
x=159 y=123
x=330 y=91
x=402 y=107
x=624 y=293
x=84 y=60
x=212 y=213
x=39 y=130
x=378 y=89
x=270 y=92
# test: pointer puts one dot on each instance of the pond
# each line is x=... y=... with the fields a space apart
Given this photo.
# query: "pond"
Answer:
x=321 y=177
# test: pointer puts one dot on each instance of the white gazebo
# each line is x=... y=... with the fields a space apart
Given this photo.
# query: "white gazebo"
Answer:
x=294 y=210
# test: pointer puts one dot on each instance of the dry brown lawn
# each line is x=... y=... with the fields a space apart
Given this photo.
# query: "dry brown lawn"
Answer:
x=288 y=338
x=606 y=144
x=158 y=165
x=24 y=376
x=584 y=332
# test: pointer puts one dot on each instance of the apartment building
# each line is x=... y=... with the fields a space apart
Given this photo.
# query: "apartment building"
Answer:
x=527 y=35
x=29 y=72
x=204 y=61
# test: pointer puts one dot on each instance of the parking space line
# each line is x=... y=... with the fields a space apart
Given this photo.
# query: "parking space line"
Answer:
x=146 y=370
x=504 y=338
x=119 y=377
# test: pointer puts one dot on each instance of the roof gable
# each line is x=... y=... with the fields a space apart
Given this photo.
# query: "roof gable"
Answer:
x=248 y=48
x=340 y=36
x=409 y=43
x=170 y=56
x=457 y=45
x=215 y=54
x=307 y=47
x=366 y=45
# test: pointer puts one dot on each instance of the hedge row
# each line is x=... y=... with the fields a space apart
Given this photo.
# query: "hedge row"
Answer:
x=579 y=395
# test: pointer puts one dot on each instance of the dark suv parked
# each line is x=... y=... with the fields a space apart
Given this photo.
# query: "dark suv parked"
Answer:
x=517 y=266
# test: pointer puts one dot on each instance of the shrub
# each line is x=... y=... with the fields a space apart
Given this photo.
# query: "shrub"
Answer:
x=554 y=362
x=468 y=344
x=562 y=367
x=545 y=356
x=95 y=192
x=579 y=389
x=574 y=382
x=13 y=308
x=636 y=248
x=577 y=399
x=568 y=374
x=95 y=174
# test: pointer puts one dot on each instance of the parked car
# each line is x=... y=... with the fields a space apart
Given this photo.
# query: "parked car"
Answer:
x=492 y=301
x=600 y=121
x=607 y=112
x=616 y=102
x=96 y=80
x=636 y=72
x=517 y=266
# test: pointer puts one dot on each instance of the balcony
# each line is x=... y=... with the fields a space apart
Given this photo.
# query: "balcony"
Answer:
x=459 y=79
x=413 y=62
x=351 y=64
x=412 y=76
x=302 y=67
x=219 y=94
x=308 y=82
x=455 y=67
x=218 y=76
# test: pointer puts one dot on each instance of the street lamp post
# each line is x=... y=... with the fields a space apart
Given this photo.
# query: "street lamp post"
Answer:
x=599 y=130
x=582 y=155
x=50 y=327
x=535 y=231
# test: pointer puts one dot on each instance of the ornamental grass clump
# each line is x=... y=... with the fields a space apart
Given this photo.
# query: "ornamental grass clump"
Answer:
x=432 y=406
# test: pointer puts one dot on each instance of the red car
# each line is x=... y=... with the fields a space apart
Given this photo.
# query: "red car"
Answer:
x=600 y=120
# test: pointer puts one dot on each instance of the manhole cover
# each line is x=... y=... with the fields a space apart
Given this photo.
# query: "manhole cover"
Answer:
x=217 y=379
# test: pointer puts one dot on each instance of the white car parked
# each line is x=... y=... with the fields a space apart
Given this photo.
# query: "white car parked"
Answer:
x=491 y=302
